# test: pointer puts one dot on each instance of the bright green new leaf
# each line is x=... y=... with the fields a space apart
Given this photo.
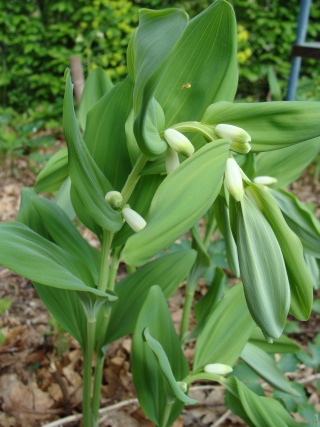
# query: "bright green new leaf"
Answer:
x=281 y=345
x=89 y=184
x=261 y=411
x=225 y=332
x=181 y=199
x=97 y=84
x=301 y=220
x=32 y=256
x=266 y=367
x=105 y=133
x=133 y=290
x=202 y=67
x=54 y=173
x=299 y=277
x=287 y=164
x=262 y=267
x=271 y=125
x=153 y=389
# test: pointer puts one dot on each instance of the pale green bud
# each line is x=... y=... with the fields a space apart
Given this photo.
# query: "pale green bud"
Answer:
x=172 y=160
x=265 y=180
x=133 y=219
x=239 y=137
x=183 y=386
x=178 y=142
x=113 y=198
x=218 y=368
x=233 y=180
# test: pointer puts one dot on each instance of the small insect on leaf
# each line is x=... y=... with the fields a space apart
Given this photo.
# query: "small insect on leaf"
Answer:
x=186 y=86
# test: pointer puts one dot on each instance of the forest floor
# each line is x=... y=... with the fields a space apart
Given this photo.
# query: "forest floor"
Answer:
x=40 y=365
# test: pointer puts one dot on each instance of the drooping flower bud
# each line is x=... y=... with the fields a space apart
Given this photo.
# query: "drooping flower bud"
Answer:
x=183 y=386
x=239 y=137
x=134 y=220
x=178 y=142
x=233 y=180
x=113 y=198
x=218 y=368
x=172 y=160
x=265 y=180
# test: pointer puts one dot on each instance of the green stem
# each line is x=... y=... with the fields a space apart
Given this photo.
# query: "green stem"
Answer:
x=105 y=260
x=87 y=374
x=190 y=290
x=192 y=126
x=209 y=232
x=133 y=178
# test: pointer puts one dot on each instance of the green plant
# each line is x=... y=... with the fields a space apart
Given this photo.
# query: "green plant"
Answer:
x=134 y=161
x=5 y=304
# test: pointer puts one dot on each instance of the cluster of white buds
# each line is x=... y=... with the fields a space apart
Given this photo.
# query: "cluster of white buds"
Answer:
x=239 y=137
x=265 y=180
x=218 y=368
x=133 y=219
x=233 y=180
x=177 y=144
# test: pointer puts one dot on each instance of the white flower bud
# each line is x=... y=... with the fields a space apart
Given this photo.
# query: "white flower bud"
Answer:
x=265 y=180
x=239 y=137
x=218 y=368
x=233 y=180
x=113 y=198
x=172 y=160
x=134 y=220
x=178 y=142
x=183 y=386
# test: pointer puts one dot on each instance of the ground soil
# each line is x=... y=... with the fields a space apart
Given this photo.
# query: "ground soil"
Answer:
x=40 y=365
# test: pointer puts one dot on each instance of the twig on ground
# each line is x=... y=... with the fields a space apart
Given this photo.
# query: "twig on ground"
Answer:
x=222 y=418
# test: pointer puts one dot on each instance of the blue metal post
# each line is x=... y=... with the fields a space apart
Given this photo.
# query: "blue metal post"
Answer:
x=301 y=38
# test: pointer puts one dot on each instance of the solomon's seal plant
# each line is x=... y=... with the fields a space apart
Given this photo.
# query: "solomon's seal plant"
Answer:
x=155 y=154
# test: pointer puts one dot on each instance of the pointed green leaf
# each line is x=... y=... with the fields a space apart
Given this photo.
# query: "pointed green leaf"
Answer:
x=266 y=368
x=202 y=67
x=54 y=173
x=287 y=164
x=105 y=133
x=261 y=411
x=133 y=290
x=97 y=84
x=88 y=182
x=281 y=345
x=179 y=202
x=271 y=125
x=262 y=267
x=300 y=219
x=153 y=390
x=299 y=277
x=226 y=331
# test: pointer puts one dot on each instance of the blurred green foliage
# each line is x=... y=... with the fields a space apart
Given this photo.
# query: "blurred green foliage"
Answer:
x=37 y=38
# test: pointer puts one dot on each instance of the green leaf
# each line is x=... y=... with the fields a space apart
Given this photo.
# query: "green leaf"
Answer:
x=89 y=184
x=105 y=133
x=181 y=199
x=54 y=173
x=97 y=84
x=32 y=256
x=300 y=219
x=262 y=267
x=133 y=290
x=5 y=304
x=157 y=33
x=287 y=164
x=153 y=390
x=299 y=277
x=271 y=125
x=266 y=368
x=261 y=411
x=226 y=331
x=281 y=345
x=202 y=67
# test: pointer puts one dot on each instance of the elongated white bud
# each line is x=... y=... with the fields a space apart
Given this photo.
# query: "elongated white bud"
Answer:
x=233 y=180
x=178 y=142
x=172 y=160
x=218 y=368
x=114 y=198
x=265 y=180
x=134 y=220
x=239 y=137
